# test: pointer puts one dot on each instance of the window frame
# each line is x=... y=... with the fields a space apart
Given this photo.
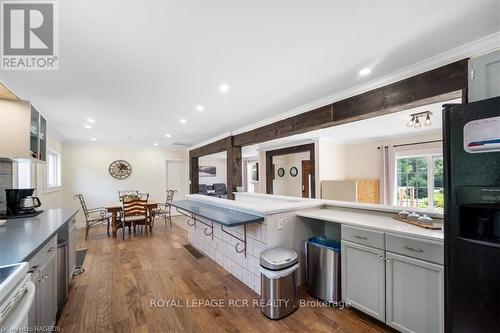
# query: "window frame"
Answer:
x=429 y=153
x=53 y=187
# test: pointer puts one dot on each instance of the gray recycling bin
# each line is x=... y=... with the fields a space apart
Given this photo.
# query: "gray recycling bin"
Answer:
x=278 y=274
x=323 y=269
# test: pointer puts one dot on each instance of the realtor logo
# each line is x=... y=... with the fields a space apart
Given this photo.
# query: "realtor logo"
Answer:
x=29 y=35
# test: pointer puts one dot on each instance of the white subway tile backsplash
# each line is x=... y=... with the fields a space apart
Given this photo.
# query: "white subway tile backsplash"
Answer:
x=250 y=245
x=256 y=287
x=227 y=264
x=258 y=247
x=222 y=250
x=236 y=270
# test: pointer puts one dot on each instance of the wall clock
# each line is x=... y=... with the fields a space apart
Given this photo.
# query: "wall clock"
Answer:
x=281 y=172
x=294 y=171
x=120 y=169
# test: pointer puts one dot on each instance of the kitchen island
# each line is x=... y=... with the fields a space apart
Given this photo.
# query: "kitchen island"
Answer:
x=234 y=233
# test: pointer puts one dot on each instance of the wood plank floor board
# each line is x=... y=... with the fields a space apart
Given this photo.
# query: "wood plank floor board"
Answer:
x=123 y=277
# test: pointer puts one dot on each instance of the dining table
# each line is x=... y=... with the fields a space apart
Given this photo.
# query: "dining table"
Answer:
x=114 y=209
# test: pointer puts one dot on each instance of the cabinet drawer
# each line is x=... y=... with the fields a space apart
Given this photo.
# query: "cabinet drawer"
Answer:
x=426 y=250
x=44 y=253
x=364 y=236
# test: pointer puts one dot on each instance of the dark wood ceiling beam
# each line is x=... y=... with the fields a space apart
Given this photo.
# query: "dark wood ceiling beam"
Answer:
x=406 y=93
x=301 y=123
x=430 y=87
x=212 y=148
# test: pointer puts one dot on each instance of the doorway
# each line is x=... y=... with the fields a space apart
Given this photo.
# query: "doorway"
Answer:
x=279 y=172
x=306 y=179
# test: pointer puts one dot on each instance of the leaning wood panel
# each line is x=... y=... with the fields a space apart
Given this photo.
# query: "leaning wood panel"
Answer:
x=368 y=191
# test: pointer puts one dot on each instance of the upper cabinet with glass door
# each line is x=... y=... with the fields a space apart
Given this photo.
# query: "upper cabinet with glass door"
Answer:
x=23 y=133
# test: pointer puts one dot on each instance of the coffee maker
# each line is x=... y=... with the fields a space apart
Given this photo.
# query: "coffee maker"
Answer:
x=21 y=203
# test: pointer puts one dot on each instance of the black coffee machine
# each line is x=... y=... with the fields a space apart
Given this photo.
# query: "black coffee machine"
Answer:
x=21 y=203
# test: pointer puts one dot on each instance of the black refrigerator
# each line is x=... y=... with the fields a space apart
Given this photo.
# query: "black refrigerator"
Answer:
x=471 y=137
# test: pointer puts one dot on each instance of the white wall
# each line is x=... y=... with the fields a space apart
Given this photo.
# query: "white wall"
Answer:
x=53 y=198
x=288 y=185
x=330 y=162
x=362 y=160
x=85 y=170
x=221 y=172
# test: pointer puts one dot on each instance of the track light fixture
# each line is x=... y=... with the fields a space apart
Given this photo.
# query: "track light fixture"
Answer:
x=415 y=119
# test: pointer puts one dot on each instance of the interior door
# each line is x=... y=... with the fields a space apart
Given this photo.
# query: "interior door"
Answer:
x=177 y=180
x=306 y=175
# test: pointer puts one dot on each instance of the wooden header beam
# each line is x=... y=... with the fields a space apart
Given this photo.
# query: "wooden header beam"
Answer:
x=426 y=88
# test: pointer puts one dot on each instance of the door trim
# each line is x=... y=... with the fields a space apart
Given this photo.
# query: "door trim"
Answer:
x=285 y=151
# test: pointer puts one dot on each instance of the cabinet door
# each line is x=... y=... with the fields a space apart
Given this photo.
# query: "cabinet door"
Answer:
x=363 y=278
x=415 y=294
x=484 y=76
x=47 y=300
x=34 y=132
x=42 y=153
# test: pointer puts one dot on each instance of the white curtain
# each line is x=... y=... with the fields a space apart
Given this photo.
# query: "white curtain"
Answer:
x=386 y=186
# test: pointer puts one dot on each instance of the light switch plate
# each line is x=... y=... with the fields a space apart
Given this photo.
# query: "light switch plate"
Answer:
x=281 y=221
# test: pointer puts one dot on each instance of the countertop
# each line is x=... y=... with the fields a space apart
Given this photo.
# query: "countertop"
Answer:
x=21 y=238
x=371 y=220
x=222 y=215
x=272 y=203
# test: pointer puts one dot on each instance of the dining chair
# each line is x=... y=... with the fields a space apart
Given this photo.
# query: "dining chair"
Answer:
x=128 y=194
x=165 y=209
x=135 y=212
x=93 y=217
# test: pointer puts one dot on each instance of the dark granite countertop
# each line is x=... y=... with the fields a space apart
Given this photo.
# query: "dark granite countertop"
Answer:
x=222 y=215
x=21 y=238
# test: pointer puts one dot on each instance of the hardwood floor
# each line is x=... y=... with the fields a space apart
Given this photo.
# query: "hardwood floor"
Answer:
x=122 y=278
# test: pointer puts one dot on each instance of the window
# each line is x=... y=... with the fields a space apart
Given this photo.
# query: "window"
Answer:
x=419 y=181
x=53 y=169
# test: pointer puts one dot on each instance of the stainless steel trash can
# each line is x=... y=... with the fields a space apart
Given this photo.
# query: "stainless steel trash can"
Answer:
x=323 y=269
x=279 y=270
x=62 y=274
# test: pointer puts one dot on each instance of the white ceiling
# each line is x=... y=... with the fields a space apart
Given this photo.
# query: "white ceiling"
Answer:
x=138 y=67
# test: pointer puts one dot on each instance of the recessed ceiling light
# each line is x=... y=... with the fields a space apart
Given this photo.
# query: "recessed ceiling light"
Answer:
x=224 y=88
x=90 y=120
x=183 y=121
x=365 y=71
x=87 y=126
x=93 y=139
x=155 y=144
x=200 y=108
x=168 y=135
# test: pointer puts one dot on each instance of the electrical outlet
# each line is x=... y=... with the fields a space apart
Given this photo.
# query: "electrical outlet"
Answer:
x=281 y=221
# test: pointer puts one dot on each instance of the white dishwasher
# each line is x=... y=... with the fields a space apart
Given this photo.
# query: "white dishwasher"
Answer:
x=17 y=294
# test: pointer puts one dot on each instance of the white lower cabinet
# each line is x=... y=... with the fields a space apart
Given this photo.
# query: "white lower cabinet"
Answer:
x=363 y=278
x=405 y=289
x=46 y=295
x=414 y=294
x=43 y=267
